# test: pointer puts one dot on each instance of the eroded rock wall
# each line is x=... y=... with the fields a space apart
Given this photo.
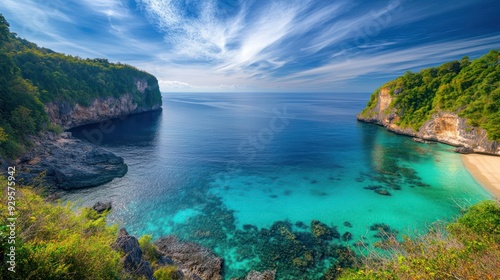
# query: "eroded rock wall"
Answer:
x=101 y=109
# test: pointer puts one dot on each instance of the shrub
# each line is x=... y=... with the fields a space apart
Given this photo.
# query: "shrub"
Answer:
x=466 y=249
x=53 y=242
x=166 y=273
x=150 y=252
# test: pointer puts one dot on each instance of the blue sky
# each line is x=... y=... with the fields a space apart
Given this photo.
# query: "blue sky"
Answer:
x=263 y=45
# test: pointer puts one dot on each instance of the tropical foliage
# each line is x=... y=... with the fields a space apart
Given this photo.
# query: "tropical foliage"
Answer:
x=470 y=88
x=468 y=248
x=52 y=242
x=31 y=76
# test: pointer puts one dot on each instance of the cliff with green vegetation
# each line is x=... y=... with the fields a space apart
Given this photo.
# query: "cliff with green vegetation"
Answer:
x=41 y=90
x=457 y=103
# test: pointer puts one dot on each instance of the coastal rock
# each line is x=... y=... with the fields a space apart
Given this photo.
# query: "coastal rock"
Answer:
x=463 y=150
x=418 y=140
x=133 y=260
x=444 y=127
x=69 y=163
x=191 y=258
x=100 y=207
x=265 y=275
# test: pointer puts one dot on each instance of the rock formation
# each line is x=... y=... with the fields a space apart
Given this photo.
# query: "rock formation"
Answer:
x=191 y=258
x=100 y=207
x=101 y=109
x=265 y=275
x=133 y=260
x=70 y=163
x=444 y=127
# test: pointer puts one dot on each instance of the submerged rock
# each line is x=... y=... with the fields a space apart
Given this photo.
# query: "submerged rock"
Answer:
x=372 y=187
x=301 y=225
x=383 y=192
x=347 y=236
x=347 y=224
x=380 y=226
x=322 y=231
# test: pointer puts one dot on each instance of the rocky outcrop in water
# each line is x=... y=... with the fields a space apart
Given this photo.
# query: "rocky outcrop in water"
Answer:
x=323 y=232
x=68 y=163
x=444 y=127
x=191 y=258
x=101 y=207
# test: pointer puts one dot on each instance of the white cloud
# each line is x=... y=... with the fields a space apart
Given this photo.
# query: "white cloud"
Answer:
x=392 y=62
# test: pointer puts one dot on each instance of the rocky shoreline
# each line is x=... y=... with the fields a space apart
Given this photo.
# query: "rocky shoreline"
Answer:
x=444 y=127
x=62 y=162
x=67 y=163
x=184 y=260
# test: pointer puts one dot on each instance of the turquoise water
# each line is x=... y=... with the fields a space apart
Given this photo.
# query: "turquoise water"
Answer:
x=246 y=174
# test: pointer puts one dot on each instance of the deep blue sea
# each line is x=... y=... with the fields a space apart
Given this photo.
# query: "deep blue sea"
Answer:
x=246 y=173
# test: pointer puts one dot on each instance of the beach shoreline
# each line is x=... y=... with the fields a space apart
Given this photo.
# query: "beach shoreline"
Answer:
x=485 y=170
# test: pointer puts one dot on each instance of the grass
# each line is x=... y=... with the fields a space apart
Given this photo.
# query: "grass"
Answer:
x=465 y=249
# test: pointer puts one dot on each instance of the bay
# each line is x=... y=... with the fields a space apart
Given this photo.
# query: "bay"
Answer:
x=239 y=171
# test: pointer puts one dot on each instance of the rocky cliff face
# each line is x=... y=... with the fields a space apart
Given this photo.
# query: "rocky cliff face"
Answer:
x=444 y=127
x=68 y=116
x=68 y=163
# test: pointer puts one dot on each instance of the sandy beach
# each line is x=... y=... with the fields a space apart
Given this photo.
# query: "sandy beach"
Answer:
x=486 y=170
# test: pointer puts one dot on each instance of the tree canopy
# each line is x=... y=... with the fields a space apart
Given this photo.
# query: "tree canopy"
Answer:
x=469 y=88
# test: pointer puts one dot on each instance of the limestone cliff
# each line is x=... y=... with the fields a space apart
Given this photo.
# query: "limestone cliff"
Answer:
x=101 y=109
x=444 y=127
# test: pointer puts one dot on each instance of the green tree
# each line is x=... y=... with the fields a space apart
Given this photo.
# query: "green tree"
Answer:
x=23 y=122
x=4 y=30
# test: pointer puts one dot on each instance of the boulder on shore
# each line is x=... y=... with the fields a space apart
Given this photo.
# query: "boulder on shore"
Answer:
x=463 y=150
x=100 y=207
x=192 y=258
x=69 y=163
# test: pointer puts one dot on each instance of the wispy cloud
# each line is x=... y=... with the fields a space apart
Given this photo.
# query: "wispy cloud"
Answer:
x=393 y=62
x=262 y=45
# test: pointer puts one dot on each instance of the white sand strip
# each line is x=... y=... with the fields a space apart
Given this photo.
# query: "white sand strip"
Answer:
x=486 y=170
